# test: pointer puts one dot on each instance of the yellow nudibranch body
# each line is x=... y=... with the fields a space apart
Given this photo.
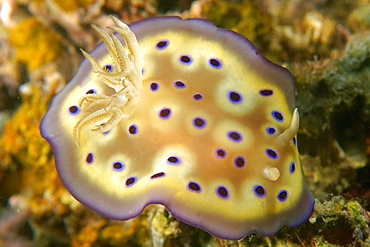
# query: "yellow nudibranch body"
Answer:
x=184 y=114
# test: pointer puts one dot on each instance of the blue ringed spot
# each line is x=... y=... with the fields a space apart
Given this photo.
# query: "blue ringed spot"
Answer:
x=118 y=166
x=277 y=115
x=108 y=67
x=292 y=167
x=157 y=175
x=235 y=97
x=215 y=63
x=165 y=113
x=132 y=129
x=266 y=92
x=179 y=84
x=91 y=91
x=234 y=136
x=154 y=86
x=162 y=44
x=89 y=158
x=271 y=153
x=173 y=160
x=130 y=181
x=283 y=195
x=239 y=162
x=271 y=130
x=74 y=109
x=193 y=186
x=222 y=192
x=199 y=122
x=259 y=191
x=220 y=153
x=185 y=59
x=294 y=141
x=198 y=96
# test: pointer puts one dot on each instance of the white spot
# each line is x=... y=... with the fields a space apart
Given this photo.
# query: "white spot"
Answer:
x=271 y=173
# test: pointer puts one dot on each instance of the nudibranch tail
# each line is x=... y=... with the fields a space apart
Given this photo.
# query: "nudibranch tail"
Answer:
x=292 y=129
x=125 y=78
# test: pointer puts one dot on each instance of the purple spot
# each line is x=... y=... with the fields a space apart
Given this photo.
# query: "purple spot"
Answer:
x=235 y=97
x=89 y=158
x=154 y=86
x=222 y=192
x=271 y=153
x=220 y=153
x=283 y=195
x=214 y=62
x=179 y=84
x=199 y=122
x=173 y=160
x=91 y=91
x=74 y=109
x=234 y=136
x=132 y=129
x=271 y=130
x=193 y=186
x=162 y=44
x=158 y=175
x=117 y=166
x=277 y=115
x=130 y=181
x=266 y=92
x=239 y=162
x=259 y=191
x=294 y=141
x=165 y=113
x=292 y=167
x=108 y=68
x=185 y=59
x=198 y=96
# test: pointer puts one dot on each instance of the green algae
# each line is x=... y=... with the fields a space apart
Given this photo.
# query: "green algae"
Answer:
x=334 y=100
x=340 y=222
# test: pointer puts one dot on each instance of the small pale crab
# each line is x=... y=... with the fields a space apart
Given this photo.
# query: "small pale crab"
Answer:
x=105 y=111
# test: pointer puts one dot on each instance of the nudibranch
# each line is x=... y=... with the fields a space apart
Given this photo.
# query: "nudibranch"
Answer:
x=184 y=114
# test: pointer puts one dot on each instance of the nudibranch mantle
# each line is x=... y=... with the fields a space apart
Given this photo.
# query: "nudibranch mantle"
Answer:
x=207 y=127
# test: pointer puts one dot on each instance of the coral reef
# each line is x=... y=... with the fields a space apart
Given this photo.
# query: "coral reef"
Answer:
x=326 y=46
x=335 y=101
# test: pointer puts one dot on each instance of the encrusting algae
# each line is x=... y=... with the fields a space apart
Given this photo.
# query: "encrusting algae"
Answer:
x=34 y=43
x=33 y=193
x=73 y=5
x=243 y=17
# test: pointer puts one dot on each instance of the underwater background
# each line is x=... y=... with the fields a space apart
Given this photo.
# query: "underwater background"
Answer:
x=324 y=43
